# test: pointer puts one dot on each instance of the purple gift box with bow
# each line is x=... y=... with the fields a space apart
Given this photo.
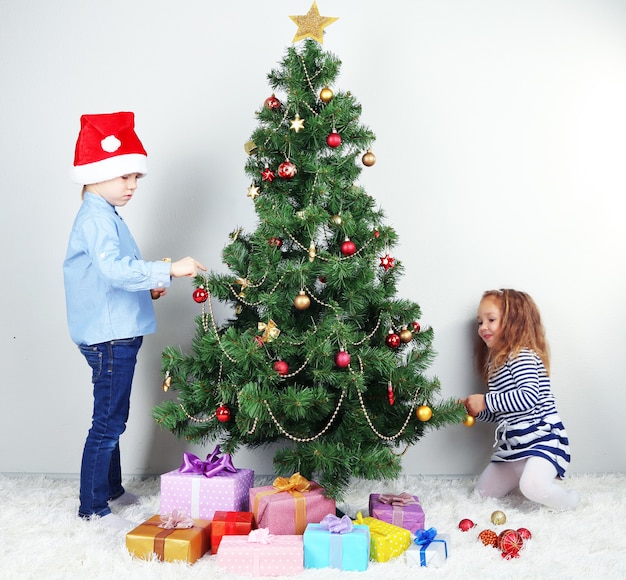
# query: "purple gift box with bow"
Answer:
x=403 y=510
x=202 y=487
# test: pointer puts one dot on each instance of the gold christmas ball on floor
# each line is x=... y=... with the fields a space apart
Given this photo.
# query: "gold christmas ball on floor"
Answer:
x=469 y=421
x=498 y=518
x=424 y=412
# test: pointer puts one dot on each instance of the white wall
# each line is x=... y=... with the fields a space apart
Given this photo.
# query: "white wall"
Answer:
x=501 y=142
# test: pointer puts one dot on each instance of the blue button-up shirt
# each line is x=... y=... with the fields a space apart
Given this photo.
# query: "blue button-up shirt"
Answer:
x=107 y=284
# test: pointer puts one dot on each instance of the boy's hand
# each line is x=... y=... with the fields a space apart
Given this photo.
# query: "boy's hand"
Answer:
x=186 y=267
x=156 y=293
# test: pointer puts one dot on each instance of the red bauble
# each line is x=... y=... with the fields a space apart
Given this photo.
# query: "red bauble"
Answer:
x=281 y=367
x=524 y=533
x=272 y=103
x=392 y=340
x=416 y=326
x=287 y=170
x=267 y=174
x=342 y=359
x=200 y=295
x=275 y=242
x=466 y=524
x=376 y=234
x=510 y=541
x=222 y=413
x=333 y=139
x=348 y=248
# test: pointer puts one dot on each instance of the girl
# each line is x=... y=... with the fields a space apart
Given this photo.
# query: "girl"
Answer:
x=108 y=290
x=532 y=447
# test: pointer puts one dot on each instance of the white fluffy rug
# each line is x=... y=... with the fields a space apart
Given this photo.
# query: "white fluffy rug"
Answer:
x=42 y=538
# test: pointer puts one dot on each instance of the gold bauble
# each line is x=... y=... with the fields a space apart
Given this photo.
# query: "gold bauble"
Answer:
x=335 y=220
x=498 y=518
x=469 y=421
x=326 y=95
x=312 y=251
x=424 y=412
x=302 y=301
x=406 y=335
x=369 y=158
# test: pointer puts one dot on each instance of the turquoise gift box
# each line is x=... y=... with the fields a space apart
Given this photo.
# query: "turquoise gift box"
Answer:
x=346 y=551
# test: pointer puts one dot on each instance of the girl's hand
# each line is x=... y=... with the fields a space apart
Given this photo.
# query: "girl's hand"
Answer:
x=475 y=404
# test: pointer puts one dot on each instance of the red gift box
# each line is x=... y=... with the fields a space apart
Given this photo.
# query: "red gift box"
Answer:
x=229 y=524
x=403 y=510
x=287 y=506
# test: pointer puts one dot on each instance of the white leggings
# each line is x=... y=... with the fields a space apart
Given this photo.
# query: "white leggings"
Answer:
x=535 y=478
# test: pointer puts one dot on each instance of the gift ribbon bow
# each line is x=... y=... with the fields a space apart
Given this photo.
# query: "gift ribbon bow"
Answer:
x=261 y=536
x=176 y=520
x=244 y=284
x=295 y=483
x=270 y=331
x=337 y=525
x=400 y=500
x=425 y=537
x=213 y=465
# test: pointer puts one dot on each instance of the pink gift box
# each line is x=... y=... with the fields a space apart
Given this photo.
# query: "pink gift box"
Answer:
x=277 y=510
x=402 y=510
x=201 y=496
x=281 y=556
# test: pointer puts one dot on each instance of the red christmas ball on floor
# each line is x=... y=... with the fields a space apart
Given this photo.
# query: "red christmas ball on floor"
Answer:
x=525 y=533
x=466 y=524
x=334 y=139
x=510 y=540
x=200 y=295
x=348 y=248
x=281 y=367
x=342 y=359
x=222 y=413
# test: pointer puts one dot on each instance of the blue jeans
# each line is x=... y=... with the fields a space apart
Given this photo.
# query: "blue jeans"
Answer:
x=113 y=366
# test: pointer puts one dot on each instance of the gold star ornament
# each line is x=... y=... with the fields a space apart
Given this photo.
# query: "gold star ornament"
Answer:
x=253 y=192
x=312 y=25
x=297 y=123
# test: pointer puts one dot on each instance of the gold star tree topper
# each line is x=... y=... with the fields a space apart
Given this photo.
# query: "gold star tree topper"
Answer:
x=312 y=24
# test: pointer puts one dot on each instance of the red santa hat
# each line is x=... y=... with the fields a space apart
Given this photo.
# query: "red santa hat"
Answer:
x=107 y=147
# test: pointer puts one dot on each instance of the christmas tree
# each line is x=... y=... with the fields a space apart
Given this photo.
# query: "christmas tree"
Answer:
x=321 y=353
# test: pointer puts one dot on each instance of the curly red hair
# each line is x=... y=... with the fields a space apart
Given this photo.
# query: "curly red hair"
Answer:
x=521 y=327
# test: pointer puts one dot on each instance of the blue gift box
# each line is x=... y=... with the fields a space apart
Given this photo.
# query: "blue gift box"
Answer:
x=346 y=551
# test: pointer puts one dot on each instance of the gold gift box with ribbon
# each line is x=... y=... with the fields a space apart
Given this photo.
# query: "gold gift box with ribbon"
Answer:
x=176 y=543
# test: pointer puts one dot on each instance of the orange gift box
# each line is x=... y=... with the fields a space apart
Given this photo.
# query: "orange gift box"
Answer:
x=188 y=544
x=229 y=524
